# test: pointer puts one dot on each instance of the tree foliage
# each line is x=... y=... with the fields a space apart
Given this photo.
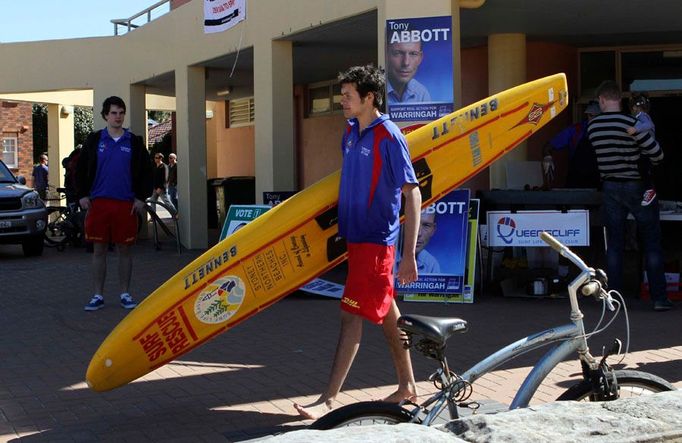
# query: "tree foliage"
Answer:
x=39 y=131
x=83 y=124
x=159 y=116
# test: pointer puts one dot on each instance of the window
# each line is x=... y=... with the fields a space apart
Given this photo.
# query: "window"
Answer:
x=9 y=152
x=324 y=98
x=652 y=71
x=596 y=67
x=241 y=112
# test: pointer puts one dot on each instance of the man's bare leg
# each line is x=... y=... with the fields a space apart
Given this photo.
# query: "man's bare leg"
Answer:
x=346 y=349
x=407 y=388
x=99 y=267
x=125 y=267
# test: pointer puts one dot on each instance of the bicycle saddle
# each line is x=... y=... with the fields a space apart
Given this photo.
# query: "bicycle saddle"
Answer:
x=437 y=329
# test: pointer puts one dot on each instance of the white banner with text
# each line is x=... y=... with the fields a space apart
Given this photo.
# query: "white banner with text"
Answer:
x=221 y=15
x=523 y=228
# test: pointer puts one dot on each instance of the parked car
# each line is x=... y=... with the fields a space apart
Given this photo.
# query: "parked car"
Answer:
x=23 y=216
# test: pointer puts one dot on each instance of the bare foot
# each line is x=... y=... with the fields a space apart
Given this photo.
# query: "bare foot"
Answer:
x=401 y=395
x=313 y=411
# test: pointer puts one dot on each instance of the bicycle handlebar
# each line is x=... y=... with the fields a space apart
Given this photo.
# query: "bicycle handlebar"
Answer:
x=592 y=287
x=552 y=242
x=563 y=250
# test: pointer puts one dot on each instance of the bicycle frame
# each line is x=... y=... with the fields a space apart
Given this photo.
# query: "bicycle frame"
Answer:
x=571 y=338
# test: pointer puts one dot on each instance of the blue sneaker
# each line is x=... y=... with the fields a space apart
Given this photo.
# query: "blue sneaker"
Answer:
x=127 y=301
x=96 y=303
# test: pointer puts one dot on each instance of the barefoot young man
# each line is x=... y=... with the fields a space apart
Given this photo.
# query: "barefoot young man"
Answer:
x=376 y=170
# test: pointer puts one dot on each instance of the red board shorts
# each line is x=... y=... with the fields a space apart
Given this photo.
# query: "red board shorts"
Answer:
x=111 y=221
x=369 y=285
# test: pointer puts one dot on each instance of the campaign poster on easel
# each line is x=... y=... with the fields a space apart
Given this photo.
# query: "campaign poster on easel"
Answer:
x=238 y=216
x=472 y=247
x=441 y=251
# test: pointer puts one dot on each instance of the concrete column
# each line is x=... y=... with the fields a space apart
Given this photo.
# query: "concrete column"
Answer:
x=59 y=140
x=274 y=101
x=190 y=92
x=136 y=111
x=506 y=69
x=132 y=95
x=456 y=54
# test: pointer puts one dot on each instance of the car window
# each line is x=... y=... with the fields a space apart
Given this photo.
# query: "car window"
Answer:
x=5 y=174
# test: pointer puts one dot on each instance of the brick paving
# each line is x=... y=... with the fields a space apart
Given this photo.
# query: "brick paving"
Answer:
x=241 y=385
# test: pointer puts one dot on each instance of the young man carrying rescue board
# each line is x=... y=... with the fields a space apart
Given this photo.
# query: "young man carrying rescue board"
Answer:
x=376 y=170
x=297 y=240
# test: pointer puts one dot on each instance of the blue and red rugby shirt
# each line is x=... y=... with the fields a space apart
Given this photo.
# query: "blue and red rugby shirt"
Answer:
x=376 y=165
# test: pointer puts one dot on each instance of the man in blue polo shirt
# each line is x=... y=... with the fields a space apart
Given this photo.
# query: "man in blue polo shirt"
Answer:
x=376 y=170
x=113 y=179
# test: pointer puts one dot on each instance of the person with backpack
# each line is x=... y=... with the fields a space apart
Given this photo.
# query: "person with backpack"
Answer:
x=582 y=161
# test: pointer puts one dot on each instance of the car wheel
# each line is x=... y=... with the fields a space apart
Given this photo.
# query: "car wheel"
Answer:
x=33 y=246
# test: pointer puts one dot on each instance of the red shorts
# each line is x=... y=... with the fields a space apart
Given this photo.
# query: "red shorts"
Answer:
x=369 y=285
x=110 y=221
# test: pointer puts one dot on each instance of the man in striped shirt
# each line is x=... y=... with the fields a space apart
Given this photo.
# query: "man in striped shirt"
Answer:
x=617 y=156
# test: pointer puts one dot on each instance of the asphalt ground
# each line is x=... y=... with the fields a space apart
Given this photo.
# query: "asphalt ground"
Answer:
x=241 y=385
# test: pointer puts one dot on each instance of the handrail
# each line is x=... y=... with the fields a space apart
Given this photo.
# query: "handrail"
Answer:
x=127 y=22
x=150 y=205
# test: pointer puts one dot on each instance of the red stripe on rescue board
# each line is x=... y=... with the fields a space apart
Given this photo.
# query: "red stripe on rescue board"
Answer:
x=201 y=286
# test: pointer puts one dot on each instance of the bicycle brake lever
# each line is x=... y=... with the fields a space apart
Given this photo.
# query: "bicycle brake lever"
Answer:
x=608 y=300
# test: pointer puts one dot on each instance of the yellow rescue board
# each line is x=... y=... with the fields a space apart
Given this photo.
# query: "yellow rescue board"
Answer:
x=296 y=241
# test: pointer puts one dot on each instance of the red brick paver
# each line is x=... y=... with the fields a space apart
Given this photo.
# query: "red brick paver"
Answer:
x=241 y=385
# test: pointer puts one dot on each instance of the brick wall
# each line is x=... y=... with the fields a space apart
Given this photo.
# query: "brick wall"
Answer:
x=16 y=121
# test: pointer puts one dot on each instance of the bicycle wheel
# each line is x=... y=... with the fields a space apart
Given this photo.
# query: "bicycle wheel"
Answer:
x=55 y=234
x=630 y=384
x=363 y=414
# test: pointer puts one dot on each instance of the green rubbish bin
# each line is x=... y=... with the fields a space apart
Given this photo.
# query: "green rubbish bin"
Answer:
x=232 y=190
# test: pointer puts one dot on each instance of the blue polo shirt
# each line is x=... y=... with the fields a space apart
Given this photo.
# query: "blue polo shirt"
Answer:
x=414 y=92
x=114 y=177
x=376 y=165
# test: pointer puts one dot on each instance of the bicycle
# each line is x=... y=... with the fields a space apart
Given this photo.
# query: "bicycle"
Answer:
x=429 y=336
x=64 y=223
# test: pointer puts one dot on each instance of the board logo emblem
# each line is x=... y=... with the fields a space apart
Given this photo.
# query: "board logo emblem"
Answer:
x=506 y=226
x=535 y=114
x=220 y=300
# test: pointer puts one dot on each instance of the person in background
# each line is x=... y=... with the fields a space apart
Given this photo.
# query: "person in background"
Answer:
x=618 y=154
x=402 y=61
x=113 y=179
x=160 y=180
x=70 y=163
x=173 y=179
x=582 y=162
x=40 y=174
x=376 y=171
x=639 y=106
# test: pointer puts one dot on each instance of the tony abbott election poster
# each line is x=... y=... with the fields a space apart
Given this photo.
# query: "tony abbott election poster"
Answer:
x=419 y=72
x=441 y=251
x=472 y=248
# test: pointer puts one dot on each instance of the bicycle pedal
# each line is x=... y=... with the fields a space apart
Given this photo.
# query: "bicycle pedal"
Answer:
x=408 y=402
x=473 y=405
